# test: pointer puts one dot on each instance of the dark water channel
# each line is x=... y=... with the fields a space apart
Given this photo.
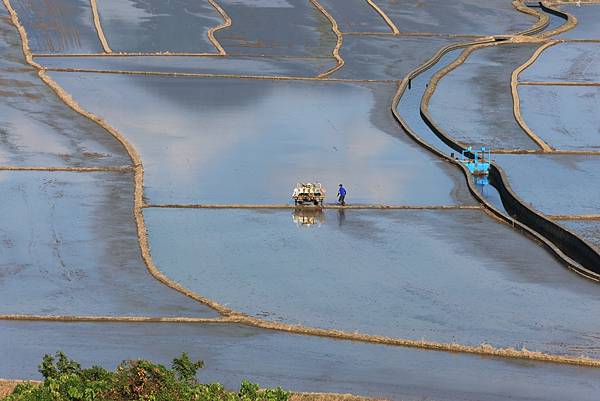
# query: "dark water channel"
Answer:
x=409 y=110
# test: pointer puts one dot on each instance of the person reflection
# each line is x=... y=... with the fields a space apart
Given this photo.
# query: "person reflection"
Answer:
x=341 y=217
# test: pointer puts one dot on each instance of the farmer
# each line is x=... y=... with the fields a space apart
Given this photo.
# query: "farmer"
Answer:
x=342 y=195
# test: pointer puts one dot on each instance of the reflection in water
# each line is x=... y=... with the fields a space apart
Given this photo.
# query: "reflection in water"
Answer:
x=308 y=216
x=341 y=217
x=201 y=137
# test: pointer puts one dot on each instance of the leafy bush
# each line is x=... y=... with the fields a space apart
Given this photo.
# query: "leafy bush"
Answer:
x=65 y=380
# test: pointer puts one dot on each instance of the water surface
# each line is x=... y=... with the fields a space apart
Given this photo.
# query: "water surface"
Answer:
x=386 y=57
x=58 y=26
x=230 y=65
x=37 y=128
x=248 y=141
x=587 y=21
x=276 y=27
x=566 y=117
x=575 y=62
x=232 y=353
x=355 y=16
x=158 y=25
x=471 y=17
x=555 y=184
x=439 y=275
x=474 y=104
x=68 y=246
x=586 y=229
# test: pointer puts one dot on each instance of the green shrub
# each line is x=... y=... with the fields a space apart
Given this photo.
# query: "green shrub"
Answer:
x=65 y=380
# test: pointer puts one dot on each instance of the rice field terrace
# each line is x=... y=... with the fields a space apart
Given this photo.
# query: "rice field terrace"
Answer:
x=149 y=151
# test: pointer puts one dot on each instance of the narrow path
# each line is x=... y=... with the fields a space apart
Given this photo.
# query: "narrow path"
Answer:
x=115 y=169
x=393 y=27
x=226 y=76
x=226 y=24
x=339 y=42
x=558 y=83
x=98 y=26
x=325 y=206
x=517 y=101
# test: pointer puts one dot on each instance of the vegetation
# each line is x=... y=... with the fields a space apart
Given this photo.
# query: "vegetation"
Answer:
x=66 y=380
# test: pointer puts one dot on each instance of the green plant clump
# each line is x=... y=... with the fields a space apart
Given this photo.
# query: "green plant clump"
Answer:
x=65 y=380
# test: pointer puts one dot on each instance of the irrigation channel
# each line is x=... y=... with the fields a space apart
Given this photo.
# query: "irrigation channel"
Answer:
x=497 y=196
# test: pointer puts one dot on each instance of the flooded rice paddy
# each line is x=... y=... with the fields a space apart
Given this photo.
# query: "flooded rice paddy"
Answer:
x=252 y=117
x=356 y=16
x=566 y=117
x=572 y=62
x=230 y=141
x=474 y=104
x=587 y=229
x=68 y=248
x=233 y=65
x=232 y=353
x=37 y=128
x=58 y=26
x=386 y=57
x=567 y=191
x=587 y=21
x=159 y=26
x=408 y=274
x=276 y=27
x=468 y=17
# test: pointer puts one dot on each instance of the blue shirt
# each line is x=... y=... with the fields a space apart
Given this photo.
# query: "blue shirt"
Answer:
x=342 y=191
